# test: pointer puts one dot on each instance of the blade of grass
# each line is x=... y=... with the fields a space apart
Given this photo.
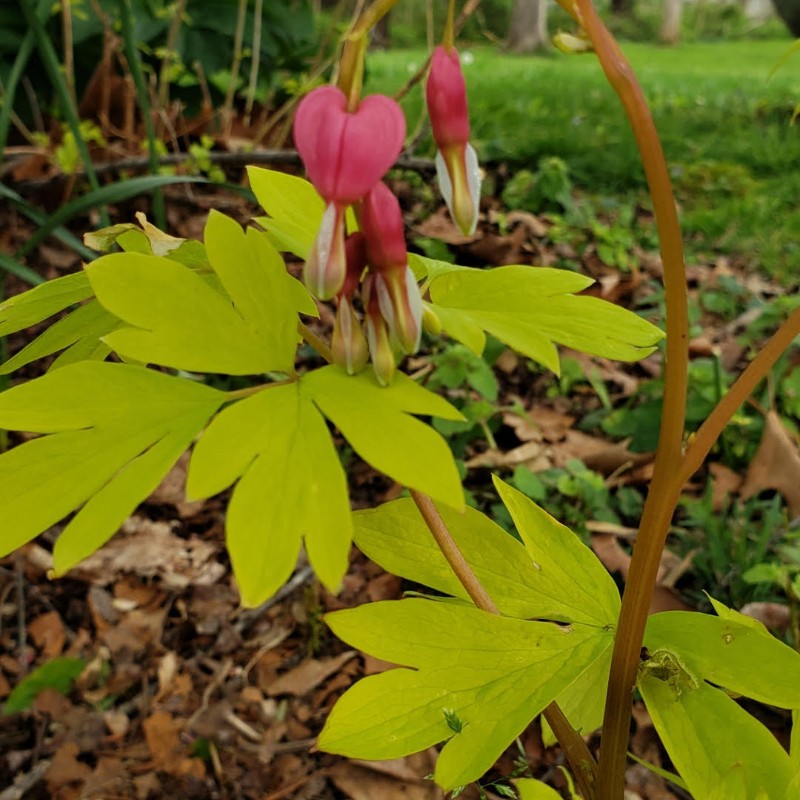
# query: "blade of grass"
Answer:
x=40 y=218
x=53 y=67
x=8 y=264
x=113 y=193
x=14 y=77
x=135 y=66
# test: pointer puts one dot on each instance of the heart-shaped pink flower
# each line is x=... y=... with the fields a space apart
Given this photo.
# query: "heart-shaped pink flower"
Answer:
x=347 y=152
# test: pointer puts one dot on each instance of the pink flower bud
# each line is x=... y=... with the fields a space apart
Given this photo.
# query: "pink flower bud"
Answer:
x=348 y=343
x=378 y=339
x=384 y=229
x=394 y=284
x=346 y=153
x=456 y=162
x=326 y=267
x=446 y=93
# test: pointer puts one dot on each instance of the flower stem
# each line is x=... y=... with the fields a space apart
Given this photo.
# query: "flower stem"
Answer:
x=311 y=338
x=575 y=749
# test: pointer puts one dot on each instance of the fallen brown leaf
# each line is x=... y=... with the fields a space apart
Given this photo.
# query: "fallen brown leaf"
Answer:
x=308 y=675
x=162 y=734
x=47 y=632
x=776 y=464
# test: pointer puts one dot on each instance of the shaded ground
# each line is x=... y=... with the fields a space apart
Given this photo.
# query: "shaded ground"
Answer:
x=186 y=694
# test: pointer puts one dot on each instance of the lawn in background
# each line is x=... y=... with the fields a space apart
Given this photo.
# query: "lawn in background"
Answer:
x=725 y=125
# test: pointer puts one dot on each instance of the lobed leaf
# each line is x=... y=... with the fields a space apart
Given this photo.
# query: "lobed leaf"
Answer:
x=290 y=484
x=531 y=308
x=492 y=673
x=531 y=789
x=726 y=652
x=294 y=207
x=583 y=701
x=85 y=325
x=395 y=536
x=714 y=743
x=115 y=432
x=41 y=302
x=569 y=567
x=254 y=276
x=377 y=422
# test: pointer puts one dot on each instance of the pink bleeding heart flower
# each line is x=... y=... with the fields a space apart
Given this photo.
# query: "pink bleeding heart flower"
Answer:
x=345 y=154
x=348 y=342
x=456 y=160
x=394 y=285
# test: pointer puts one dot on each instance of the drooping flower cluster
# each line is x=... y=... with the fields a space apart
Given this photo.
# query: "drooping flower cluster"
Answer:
x=346 y=153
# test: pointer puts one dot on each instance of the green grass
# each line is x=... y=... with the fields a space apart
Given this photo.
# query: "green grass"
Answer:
x=725 y=127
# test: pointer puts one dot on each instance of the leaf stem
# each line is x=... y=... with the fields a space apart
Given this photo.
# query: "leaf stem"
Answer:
x=311 y=339
x=575 y=749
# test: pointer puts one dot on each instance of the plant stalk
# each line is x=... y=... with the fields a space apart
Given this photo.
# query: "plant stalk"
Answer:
x=575 y=749
x=664 y=492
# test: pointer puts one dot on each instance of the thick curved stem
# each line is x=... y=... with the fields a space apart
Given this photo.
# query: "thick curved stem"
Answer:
x=663 y=494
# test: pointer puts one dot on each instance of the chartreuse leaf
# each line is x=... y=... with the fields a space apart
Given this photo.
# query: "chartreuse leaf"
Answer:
x=583 y=701
x=460 y=327
x=178 y=320
x=290 y=484
x=572 y=572
x=395 y=536
x=85 y=325
x=254 y=275
x=116 y=430
x=727 y=653
x=532 y=308
x=531 y=789
x=491 y=674
x=58 y=673
x=377 y=422
x=294 y=207
x=711 y=740
x=41 y=302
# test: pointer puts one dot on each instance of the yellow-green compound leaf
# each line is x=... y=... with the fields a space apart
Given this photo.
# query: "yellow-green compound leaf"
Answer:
x=177 y=320
x=41 y=302
x=460 y=327
x=291 y=485
x=395 y=536
x=479 y=674
x=709 y=736
x=725 y=652
x=116 y=431
x=377 y=422
x=531 y=308
x=531 y=789
x=583 y=701
x=253 y=274
x=572 y=572
x=294 y=207
x=85 y=325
